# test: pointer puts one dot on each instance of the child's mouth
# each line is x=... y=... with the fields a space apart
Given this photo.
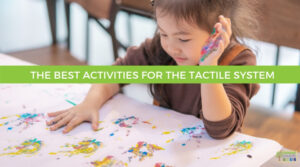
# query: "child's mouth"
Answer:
x=180 y=59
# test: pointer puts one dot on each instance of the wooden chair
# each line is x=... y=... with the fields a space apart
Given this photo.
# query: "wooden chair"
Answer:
x=97 y=10
x=107 y=9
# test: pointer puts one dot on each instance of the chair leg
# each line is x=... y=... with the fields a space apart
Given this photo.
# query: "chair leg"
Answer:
x=297 y=101
x=275 y=85
x=51 y=5
x=68 y=20
x=111 y=29
x=87 y=48
x=114 y=43
x=129 y=29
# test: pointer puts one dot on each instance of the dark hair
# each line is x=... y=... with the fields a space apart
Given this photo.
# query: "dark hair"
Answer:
x=203 y=13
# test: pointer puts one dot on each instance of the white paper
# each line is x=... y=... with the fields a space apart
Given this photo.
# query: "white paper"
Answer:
x=171 y=138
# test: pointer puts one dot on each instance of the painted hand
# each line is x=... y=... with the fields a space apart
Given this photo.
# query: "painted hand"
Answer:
x=217 y=43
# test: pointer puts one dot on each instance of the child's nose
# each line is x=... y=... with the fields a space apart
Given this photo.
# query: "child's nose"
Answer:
x=173 y=50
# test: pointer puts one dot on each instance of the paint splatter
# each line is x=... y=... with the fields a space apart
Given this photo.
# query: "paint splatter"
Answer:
x=87 y=147
x=235 y=148
x=147 y=122
x=109 y=161
x=160 y=164
x=71 y=102
x=28 y=147
x=143 y=150
x=167 y=132
x=99 y=129
x=23 y=121
x=170 y=140
x=127 y=122
x=195 y=132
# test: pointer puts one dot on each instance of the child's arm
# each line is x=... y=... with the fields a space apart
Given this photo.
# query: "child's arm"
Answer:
x=98 y=94
x=85 y=111
x=216 y=105
x=224 y=105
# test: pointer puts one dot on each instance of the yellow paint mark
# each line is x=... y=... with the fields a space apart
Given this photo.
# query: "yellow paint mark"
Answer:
x=167 y=132
x=215 y=158
x=99 y=129
x=170 y=140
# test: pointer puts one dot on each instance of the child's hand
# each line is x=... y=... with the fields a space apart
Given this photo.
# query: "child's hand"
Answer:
x=221 y=39
x=73 y=117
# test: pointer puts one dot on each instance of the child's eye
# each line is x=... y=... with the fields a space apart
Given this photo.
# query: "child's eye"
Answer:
x=184 y=40
x=163 y=35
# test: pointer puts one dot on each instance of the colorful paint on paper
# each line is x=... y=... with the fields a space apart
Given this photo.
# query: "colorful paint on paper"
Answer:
x=143 y=150
x=195 y=132
x=28 y=147
x=24 y=121
x=86 y=147
x=160 y=164
x=127 y=122
x=235 y=148
x=109 y=161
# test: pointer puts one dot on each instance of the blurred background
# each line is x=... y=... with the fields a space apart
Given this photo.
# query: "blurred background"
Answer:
x=95 y=32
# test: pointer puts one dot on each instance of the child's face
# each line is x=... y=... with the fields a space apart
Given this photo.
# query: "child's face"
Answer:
x=181 y=40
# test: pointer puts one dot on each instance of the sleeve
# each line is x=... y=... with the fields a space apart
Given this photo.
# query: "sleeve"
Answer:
x=136 y=55
x=239 y=96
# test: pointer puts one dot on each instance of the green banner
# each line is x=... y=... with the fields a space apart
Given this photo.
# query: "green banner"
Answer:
x=149 y=74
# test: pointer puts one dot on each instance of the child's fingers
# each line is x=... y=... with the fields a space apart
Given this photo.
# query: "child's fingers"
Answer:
x=218 y=27
x=56 y=119
x=95 y=120
x=72 y=124
x=226 y=23
x=53 y=114
x=225 y=38
x=223 y=33
x=222 y=46
x=229 y=23
x=61 y=123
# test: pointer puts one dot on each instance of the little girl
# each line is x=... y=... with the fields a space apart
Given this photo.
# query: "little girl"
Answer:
x=184 y=27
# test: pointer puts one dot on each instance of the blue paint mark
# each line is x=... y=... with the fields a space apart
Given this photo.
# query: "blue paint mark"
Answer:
x=9 y=128
x=74 y=104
